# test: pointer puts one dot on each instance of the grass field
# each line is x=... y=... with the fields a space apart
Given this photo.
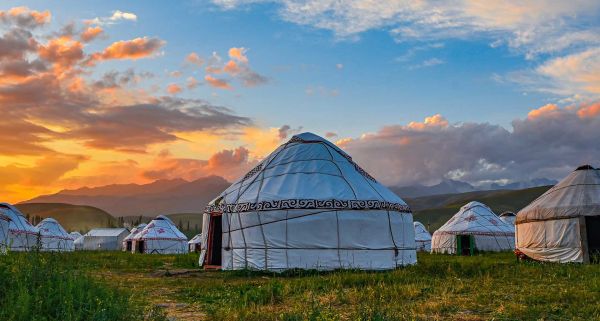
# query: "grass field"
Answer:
x=439 y=287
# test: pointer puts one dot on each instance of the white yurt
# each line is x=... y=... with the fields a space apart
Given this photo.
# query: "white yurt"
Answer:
x=307 y=205
x=128 y=241
x=79 y=242
x=474 y=227
x=194 y=243
x=422 y=237
x=563 y=225
x=160 y=236
x=508 y=217
x=53 y=236
x=4 y=223
x=22 y=236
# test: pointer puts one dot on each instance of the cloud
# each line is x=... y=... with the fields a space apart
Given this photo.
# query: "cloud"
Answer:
x=91 y=33
x=339 y=66
x=549 y=142
x=116 y=17
x=217 y=82
x=130 y=49
x=174 y=89
x=238 y=54
x=194 y=59
x=321 y=91
x=45 y=171
x=227 y=163
x=331 y=135
x=24 y=17
x=428 y=63
x=192 y=82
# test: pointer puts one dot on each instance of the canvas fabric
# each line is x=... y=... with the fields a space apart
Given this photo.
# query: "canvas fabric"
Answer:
x=422 y=237
x=309 y=206
x=22 y=235
x=161 y=236
x=549 y=229
x=489 y=232
x=53 y=237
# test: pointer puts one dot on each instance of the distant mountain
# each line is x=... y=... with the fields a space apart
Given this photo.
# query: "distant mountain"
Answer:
x=160 y=197
x=446 y=186
x=527 y=184
x=71 y=217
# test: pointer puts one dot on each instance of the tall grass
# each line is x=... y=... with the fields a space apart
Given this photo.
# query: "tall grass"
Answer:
x=49 y=286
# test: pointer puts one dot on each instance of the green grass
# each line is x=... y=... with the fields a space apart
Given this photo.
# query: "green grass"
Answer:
x=43 y=286
x=489 y=286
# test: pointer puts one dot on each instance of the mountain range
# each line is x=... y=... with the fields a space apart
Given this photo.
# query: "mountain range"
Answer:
x=159 y=197
x=448 y=186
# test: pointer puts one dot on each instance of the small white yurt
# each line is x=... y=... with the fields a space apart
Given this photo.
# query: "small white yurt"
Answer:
x=422 y=237
x=474 y=228
x=79 y=242
x=194 y=243
x=563 y=225
x=4 y=223
x=160 y=236
x=22 y=236
x=508 y=217
x=75 y=235
x=128 y=241
x=307 y=205
x=53 y=236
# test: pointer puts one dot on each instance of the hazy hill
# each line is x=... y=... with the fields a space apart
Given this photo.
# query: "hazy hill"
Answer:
x=160 y=197
x=71 y=217
x=448 y=186
x=434 y=211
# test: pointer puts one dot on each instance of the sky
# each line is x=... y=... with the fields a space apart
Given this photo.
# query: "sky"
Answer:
x=415 y=91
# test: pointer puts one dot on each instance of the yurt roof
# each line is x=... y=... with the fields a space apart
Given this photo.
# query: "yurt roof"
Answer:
x=110 y=232
x=421 y=233
x=307 y=172
x=507 y=213
x=75 y=234
x=18 y=222
x=135 y=231
x=196 y=239
x=161 y=228
x=576 y=195
x=478 y=219
x=51 y=227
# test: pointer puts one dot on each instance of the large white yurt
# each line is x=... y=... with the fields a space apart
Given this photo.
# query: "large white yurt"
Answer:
x=22 y=236
x=53 y=236
x=128 y=241
x=422 y=237
x=563 y=225
x=194 y=243
x=508 y=217
x=160 y=236
x=307 y=205
x=474 y=228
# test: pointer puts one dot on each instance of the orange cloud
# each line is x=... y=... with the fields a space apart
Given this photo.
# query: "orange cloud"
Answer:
x=231 y=67
x=173 y=89
x=589 y=111
x=238 y=54
x=91 y=33
x=544 y=111
x=194 y=59
x=192 y=82
x=217 y=82
x=131 y=49
x=64 y=52
x=24 y=17
x=436 y=120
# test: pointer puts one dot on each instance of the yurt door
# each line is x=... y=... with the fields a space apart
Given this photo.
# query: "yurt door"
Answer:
x=214 y=244
x=592 y=226
x=464 y=245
